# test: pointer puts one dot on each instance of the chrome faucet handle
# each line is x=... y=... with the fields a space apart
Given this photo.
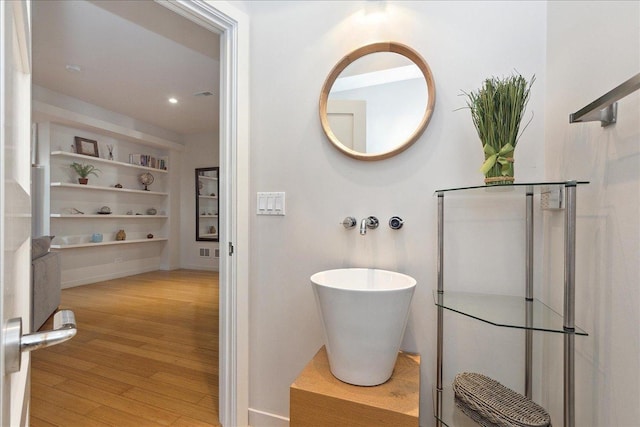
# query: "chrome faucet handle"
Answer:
x=396 y=223
x=372 y=222
x=349 y=222
x=369 y=222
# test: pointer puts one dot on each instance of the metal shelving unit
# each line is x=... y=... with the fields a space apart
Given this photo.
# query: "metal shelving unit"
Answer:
x=524 y=313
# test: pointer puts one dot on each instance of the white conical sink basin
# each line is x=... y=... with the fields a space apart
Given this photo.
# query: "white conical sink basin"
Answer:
x=364 y=313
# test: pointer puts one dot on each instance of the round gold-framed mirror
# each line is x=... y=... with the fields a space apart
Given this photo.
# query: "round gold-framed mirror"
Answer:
x=377 y=101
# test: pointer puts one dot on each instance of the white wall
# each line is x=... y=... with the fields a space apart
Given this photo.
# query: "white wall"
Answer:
x=202 y=151
x=293 y=47
x=592 y=48
x=76 y=105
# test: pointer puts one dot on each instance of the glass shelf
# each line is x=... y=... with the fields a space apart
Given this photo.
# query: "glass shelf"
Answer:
x=505 y=311
x=516 y=188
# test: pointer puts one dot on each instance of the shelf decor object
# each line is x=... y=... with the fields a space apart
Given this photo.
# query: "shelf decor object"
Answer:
x=86 y=147
x=146 y=179
x=496 y=110
x=149 y=161
x=521 y=312
x=121 y=235
x=484 y=399
x=84 y=170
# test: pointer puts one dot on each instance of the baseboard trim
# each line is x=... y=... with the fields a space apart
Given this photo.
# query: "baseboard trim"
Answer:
x=200 y=267
x=109 y=276
x=265 y=419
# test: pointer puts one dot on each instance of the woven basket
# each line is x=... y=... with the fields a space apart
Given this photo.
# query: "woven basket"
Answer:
x=483 y=422
x=497 y=404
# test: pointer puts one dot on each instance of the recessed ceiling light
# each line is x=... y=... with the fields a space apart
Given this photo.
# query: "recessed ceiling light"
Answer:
x=173 y=100
x=73 y=68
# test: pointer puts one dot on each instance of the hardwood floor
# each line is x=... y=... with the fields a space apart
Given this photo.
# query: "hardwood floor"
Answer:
x=146 y=354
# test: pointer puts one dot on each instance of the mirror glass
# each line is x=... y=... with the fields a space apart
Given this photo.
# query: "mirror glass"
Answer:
x=206 y=190
x=377 y=101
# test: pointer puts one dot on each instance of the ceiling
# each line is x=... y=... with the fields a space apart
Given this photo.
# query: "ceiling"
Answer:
x=133 y=56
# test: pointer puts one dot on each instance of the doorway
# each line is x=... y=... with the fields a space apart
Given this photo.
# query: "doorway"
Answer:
x=232 y=26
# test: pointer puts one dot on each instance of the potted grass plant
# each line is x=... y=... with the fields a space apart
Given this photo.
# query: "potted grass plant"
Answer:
x=84 y=170
x=497 y=109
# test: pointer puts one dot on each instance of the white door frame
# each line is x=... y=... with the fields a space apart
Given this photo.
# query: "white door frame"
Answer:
x=233 y=27
x=15 y=201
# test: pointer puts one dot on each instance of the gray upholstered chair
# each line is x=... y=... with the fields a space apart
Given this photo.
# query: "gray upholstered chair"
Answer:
x=45 y=281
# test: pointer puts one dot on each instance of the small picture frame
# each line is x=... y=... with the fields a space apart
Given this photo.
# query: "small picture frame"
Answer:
x=86 y=147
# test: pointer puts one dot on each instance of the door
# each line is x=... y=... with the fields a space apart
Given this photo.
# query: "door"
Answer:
x=348 y=122
x=15 y=198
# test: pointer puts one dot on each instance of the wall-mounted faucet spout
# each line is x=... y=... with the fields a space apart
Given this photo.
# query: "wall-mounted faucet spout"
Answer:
x=369 y=222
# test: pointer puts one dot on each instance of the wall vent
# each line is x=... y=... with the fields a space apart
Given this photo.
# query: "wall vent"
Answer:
x=216 y=253
x=204 y=252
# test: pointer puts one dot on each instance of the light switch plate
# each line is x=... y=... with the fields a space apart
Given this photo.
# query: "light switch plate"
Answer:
x=270 y=203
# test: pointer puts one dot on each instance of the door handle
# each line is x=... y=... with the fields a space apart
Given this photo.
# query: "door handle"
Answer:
x=64 y=328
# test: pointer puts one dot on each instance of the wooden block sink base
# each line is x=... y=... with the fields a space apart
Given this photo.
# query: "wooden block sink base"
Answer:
x=318 y=399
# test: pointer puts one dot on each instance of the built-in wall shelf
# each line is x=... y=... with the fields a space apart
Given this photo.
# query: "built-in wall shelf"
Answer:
x=99 y=188
x=208 y=197
x=210 y=178
x=208 y=216
x=109 y=243
x=90 y=159
x=80 y=216
x=60 y=197
x=209 y=236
